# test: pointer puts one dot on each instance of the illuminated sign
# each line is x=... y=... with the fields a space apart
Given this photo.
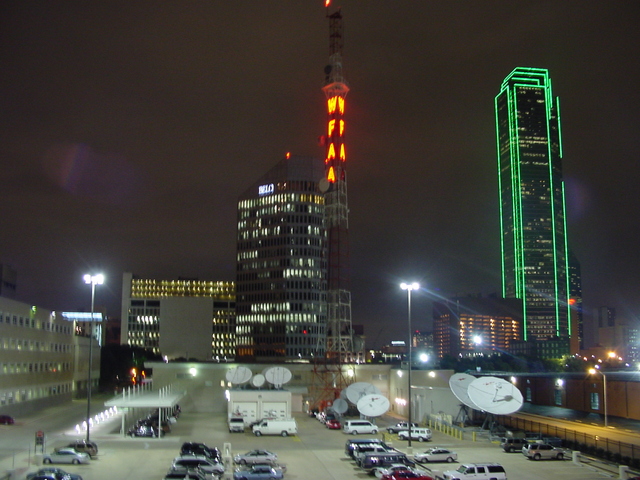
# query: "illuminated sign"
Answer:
x=335 y=133
x=265 y=189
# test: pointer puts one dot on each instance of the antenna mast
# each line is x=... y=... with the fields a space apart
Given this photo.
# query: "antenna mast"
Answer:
x=339 y=346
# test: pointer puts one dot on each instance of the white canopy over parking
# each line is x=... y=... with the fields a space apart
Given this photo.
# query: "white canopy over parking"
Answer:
x=143 y=397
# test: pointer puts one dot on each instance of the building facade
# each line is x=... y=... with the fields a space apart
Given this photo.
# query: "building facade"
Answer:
x=183 y=318
x=468 y=326
x=281 y=277
x=44 y=358
x=532 y=206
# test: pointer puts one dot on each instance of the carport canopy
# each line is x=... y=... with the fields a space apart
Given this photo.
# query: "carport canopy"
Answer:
x=135 y=398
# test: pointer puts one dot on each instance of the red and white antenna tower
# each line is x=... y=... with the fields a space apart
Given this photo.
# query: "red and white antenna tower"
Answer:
x=339 y=342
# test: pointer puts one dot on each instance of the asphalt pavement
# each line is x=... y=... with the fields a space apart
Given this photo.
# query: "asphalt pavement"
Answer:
x=315 y=453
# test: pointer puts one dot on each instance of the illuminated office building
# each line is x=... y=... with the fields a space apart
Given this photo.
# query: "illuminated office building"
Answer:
x=181 y=318
x=532 y=207
x=281 y=280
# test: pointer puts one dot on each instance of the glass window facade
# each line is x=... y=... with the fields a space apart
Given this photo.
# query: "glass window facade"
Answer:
x=281 y=278
x=532 y=206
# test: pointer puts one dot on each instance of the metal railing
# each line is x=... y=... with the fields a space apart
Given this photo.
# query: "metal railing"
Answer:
x=597 y=445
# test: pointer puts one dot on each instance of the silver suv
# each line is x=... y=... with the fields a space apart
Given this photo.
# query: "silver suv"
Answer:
x=537 y=451
x=477 y=471
x=513 y=444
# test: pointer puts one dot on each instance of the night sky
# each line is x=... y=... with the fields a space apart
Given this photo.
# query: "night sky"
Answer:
x=129 y=129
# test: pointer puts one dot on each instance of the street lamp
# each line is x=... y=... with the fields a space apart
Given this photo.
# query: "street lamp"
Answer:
x=604 y=385
x=92 y=280
x=409 y=287
x=477 y=341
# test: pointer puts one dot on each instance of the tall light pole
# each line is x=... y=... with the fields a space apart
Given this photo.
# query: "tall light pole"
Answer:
x=604 y=385
x=409 y=287
x=92 y=280
x=477 y=341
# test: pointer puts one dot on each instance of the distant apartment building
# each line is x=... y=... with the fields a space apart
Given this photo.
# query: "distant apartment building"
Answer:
x=44 y=357
x=179 y=318
x=467 y=326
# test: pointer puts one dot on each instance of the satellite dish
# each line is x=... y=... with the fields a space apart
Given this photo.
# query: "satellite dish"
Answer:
x=373 y=405
x=459 y=384
x=357 y=390
x=495 y=395
x=238 y=375
x=278 y=376
x=323 y=185
x=258 y=380
x=340 y=406
x=343 y=394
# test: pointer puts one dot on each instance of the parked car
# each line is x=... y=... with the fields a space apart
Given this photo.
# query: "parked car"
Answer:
x=333 y=424
x=259 y=472
x=66 y=455
x=513 y=444
x=53 y=472
x=181 y=473
x=351 y=445
x=436 y=454
x=83 y=446
x=256 y=456
x=477 y=471
x=396 y=467
x=201 y=462
x=7 y=420
x=359 y=426
x=398 y=427
x=362 y=450
x=144 y=431
x=195 y=448
x=420 y=434
x=407 y=475
x=538 y=451
x=374 y=460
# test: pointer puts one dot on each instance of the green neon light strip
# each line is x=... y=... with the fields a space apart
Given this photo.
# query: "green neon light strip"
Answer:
x=553 y=215
x=566 y=256
x=532 y=78
x=498 y=150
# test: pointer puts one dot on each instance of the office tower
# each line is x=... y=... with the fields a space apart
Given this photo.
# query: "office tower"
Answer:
x=179 y=318
x=575 y=300
x=281 y=264
x=606 y=316
x=532 y=206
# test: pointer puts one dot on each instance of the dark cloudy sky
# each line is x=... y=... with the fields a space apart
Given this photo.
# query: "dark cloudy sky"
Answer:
x=129 y=129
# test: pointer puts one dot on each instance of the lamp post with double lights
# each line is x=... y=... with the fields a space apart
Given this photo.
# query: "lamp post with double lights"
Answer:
x=92 y=280
x=409 y=287
x=593 y=371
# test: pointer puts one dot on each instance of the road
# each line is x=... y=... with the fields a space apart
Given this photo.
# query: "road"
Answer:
x=316 y=453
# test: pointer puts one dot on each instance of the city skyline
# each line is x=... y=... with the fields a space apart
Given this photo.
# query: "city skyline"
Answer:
x=127 y=134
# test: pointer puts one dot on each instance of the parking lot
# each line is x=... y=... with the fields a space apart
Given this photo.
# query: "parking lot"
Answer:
x=315 y=453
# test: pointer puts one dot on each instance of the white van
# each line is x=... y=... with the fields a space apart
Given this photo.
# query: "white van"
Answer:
x=276 y=427
x=359 y=426
x=236 y=424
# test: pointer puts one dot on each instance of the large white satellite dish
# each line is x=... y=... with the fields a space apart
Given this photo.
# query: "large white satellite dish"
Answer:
x=357 y=390
x=340 y=406
x=495 y=395
x=459 y=384
x=258 y=380
x=278 y=376
x=373 y=405
x=238 y=375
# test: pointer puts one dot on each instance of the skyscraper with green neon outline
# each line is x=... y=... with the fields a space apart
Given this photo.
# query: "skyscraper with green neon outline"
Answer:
x=532 y=205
